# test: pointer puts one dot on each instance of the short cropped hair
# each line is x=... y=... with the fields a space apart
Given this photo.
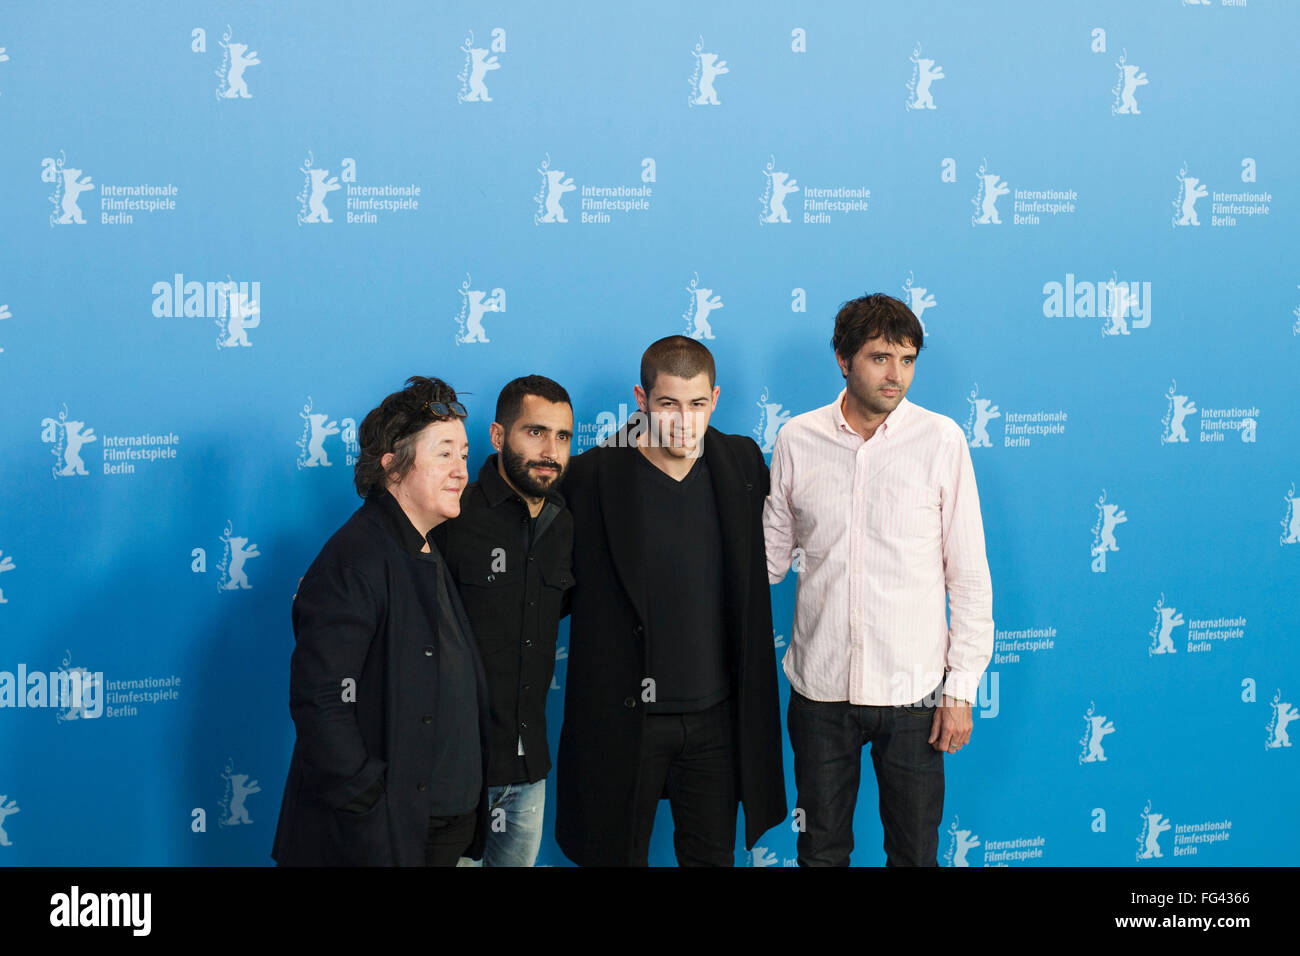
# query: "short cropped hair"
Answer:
x=679 y=356
x=511 y=400
x=392 y=427
x=874 y=316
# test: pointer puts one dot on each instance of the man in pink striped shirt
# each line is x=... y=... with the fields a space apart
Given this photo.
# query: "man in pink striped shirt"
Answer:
x=873 y=499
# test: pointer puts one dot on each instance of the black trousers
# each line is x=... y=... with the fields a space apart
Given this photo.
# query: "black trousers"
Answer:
x=827 y=738
x=449 y=838
x=692 y=758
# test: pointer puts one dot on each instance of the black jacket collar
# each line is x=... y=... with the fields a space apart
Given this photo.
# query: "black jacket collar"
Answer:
x=389 y=514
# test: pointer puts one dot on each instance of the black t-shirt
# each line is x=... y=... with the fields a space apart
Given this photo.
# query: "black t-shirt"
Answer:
x=686 y=630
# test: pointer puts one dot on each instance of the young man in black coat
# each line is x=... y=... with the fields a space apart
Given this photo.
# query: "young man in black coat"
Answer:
x=671 y=686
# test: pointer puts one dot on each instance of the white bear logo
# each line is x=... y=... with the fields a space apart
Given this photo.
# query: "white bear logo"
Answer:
x=1167 y=618
x=76 y=435
x=704 y=302
x=1111 y=516
x=237 y=59
x=774 y=416
x=7 y=809
x=480 y=64
x=1180 y=406
x=1130 y=78
x=1098 y=728
x=982 y=411
x=1103 y=532
x=241 y=789
x=474 y=321
x=924 y=73
x=320 y=430
x=990 y=190
x=918 y=300
x=474 y=303
x=1120 y=301
x=241 y=316
x=316 y=428
x=963 y=842
x=779 y=185
x=320 y=187
x=1190 y=189
x=707 y=68
x=73 y=187
x=238 y=551
x=1283 y=714
x=554 y=186
x=1155 y=824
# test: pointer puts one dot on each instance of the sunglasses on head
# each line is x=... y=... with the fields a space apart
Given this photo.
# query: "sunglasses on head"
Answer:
x=446 y=409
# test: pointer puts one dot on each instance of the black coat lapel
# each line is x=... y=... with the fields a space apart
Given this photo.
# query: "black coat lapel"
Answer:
x=731 y=492
x=622 y=509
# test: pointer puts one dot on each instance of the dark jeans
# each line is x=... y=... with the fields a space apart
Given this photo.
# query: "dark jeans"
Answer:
x=827 y=739
x=448 y=838
x=691 y=757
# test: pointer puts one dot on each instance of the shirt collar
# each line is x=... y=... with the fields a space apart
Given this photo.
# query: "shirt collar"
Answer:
x=893 y=421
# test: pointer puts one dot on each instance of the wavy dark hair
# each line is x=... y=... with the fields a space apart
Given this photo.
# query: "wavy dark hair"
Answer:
x=392 y=427
x=875 y=316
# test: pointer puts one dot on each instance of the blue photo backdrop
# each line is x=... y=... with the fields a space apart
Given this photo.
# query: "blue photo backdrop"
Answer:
x=230 y=229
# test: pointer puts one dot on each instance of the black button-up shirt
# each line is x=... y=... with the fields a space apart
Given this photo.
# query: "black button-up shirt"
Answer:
x=515 y=575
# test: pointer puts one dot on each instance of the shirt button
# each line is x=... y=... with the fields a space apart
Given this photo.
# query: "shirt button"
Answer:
x=629 y=702
x=531 y=559
x=428 y=650
x=532 y=604
x=528 y=642
x=422 y=787
x=638 y=630
x=428 y=718
x=527 y=686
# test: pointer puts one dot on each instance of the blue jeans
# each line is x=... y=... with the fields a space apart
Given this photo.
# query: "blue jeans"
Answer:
x=514 y=825
x=827 y=738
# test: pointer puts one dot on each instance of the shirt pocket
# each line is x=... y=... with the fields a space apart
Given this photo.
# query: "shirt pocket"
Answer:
x=556 y=582
x=490 y=591
x=905 y=516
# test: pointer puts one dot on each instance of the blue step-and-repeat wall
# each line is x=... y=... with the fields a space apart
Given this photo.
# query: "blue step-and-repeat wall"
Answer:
x=230 y=229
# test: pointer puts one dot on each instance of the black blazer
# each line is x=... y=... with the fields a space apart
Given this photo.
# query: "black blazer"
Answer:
x=367 y=610
x=600 y=743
